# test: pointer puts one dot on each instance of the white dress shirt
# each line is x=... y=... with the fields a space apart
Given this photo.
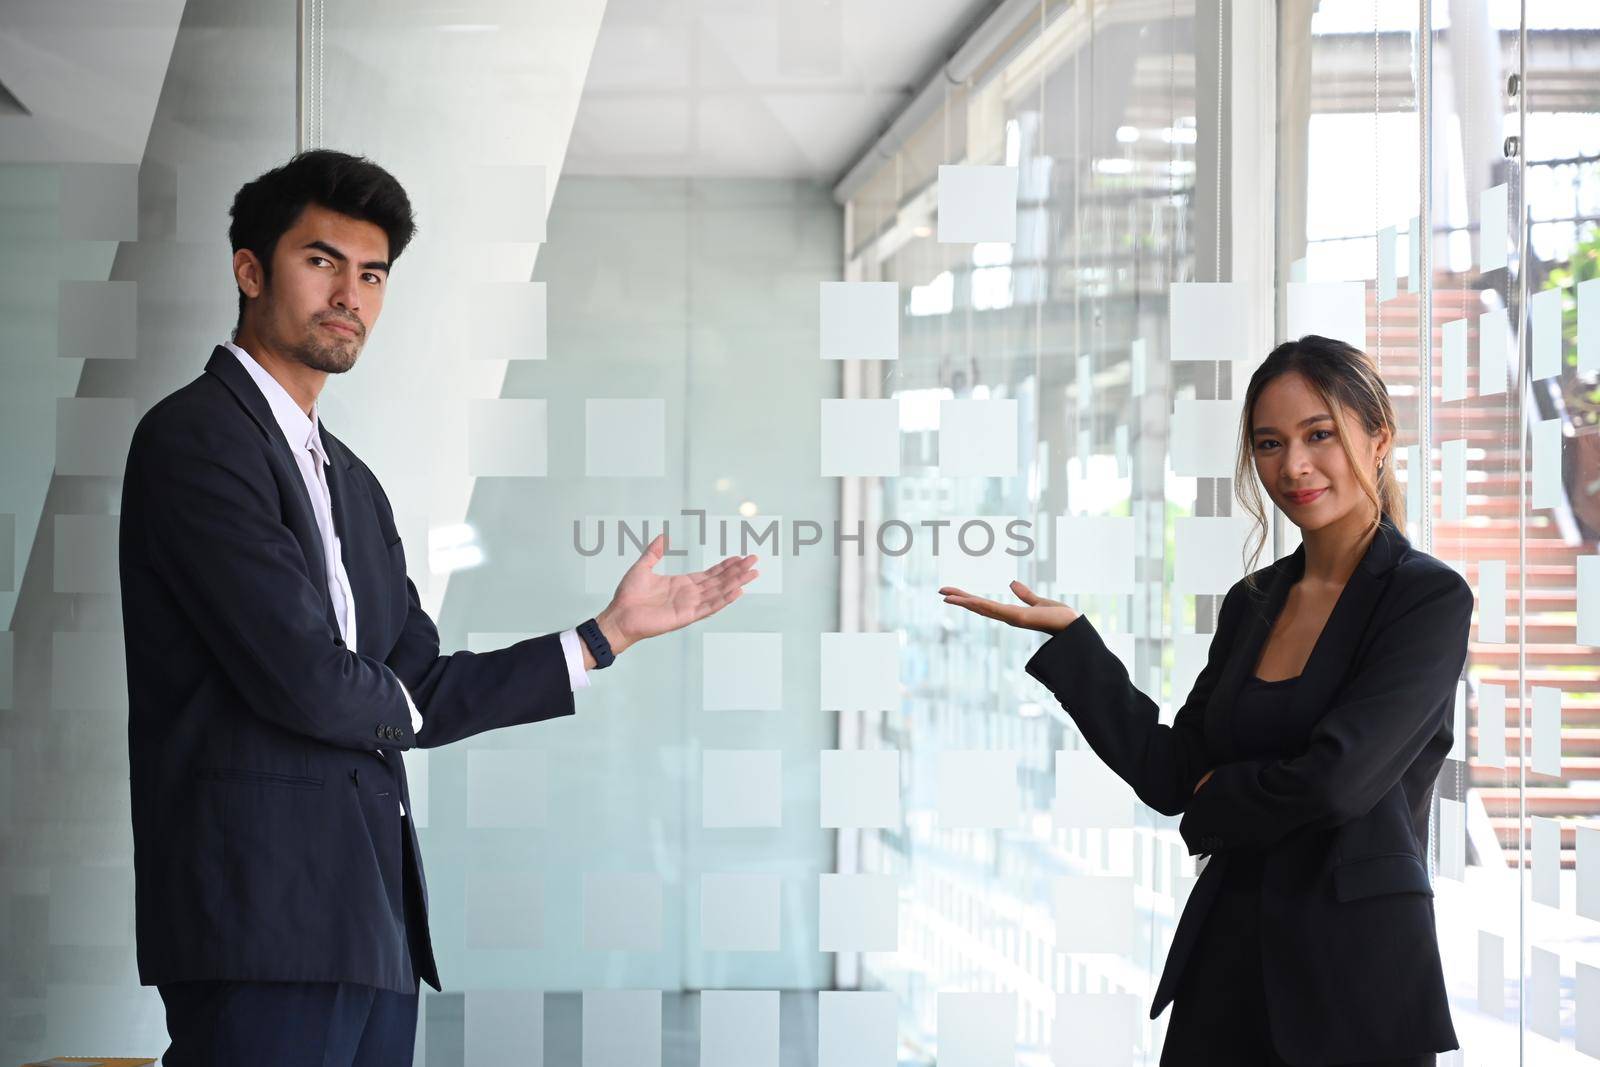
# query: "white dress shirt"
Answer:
x=305 y=441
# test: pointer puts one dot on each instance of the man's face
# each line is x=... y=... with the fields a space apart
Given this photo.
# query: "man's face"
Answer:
x=329 y=272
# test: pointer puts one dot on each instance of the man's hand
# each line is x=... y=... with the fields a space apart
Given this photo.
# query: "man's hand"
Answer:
x=647 y=604
x=1034 y=613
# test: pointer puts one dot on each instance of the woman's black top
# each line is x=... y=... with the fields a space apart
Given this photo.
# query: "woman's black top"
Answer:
x=1263 y=728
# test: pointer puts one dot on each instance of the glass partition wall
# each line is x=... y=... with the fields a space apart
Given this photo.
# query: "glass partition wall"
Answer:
x=1008 y=343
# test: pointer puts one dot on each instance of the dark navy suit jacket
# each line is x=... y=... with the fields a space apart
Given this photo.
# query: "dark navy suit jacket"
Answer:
x=1349 y=952
x=268 y=839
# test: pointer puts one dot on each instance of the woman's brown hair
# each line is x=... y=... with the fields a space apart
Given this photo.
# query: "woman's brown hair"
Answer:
x=1346 y=379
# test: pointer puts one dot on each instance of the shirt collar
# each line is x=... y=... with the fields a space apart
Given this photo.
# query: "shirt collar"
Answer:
x=298 y=429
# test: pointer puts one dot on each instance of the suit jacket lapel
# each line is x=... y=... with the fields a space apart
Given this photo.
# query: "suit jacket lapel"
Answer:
x=225 y=366
x=361 y=546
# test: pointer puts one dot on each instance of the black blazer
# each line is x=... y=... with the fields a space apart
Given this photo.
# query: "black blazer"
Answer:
x=268 y=841
x=1349 y=952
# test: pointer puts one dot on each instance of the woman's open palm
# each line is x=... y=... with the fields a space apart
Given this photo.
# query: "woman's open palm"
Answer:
x=1034 y=613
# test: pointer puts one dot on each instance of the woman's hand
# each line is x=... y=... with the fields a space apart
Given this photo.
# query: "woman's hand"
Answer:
x=1034 y=613
x=1202 y=781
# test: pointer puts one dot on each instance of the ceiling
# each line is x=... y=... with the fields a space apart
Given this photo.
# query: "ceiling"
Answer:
x=755 y=88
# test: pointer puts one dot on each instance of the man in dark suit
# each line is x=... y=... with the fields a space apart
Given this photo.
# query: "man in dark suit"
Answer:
x=279 y=660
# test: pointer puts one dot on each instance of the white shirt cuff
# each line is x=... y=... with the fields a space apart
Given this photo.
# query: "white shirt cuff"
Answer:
x=576 y=675
x=416 y=719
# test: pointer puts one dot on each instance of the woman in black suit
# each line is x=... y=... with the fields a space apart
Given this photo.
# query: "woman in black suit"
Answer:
x=1304 y=759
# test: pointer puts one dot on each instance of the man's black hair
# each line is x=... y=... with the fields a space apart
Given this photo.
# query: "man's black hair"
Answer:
x=264 y=209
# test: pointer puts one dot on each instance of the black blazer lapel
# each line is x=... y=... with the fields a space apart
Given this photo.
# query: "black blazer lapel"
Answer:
x=363 y=548
x=225 y=365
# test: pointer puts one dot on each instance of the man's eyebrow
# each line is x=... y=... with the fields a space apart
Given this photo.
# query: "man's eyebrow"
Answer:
x=323 y=246
x=1303 y=422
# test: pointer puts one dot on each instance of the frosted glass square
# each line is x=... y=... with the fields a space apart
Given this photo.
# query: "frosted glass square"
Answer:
x=1094 y=554
x=977 y=203
x=977 y=1029
x=1588 y=871
x=625 y=438
x=1453 y=338
x=93 y=434
x=504 y=1026
x=1189 y=655
x=99 y=201
x=1544 y=993
x=858 y=913
x=1493 y=216
x=1548 y=491
x=974 y=554
x=508 y=204
x=623 y=542
x=856 y=1029
x=1544 y=311
x=1209 y=552
x=1095 y=1029
x=725 y=535
x=505 y=909
x=741 y=671
x=509 y=320
x=1491 y=974
x=507 y=788
x=1589 y=326
x=977 y=789
x=1331 y=309
x=1586 y=1013
x=1204 y=437
x=622 y=910
x=1452 y=839
x=622 y=1028
x=978 y=438
x=97 y=320
x=508 y=438
x=1388 y=277
x=1494 y=351
x=1546 y=861
x=1589 y=600
x=1453 y=480
x=860 y=671
x=860 y=788
x=8 y=666
x=1208 y=320
x=860 y=320
x=740 y=912
x=86 y=554
x=741 y=788
x=91 y=907
x=1458 y=733
x=1094 y=913
x=1492 y=725
x=204 y=192
x=88 y=671
x=739 y=1028
x=860 y=438
x=1492 y=600
x=1088 y=793
x=1547 y=730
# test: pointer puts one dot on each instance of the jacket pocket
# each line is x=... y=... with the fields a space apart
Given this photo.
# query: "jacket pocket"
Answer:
x=236 y=774
x=1370 y=876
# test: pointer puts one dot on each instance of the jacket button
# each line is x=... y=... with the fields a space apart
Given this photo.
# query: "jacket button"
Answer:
x=380 y=731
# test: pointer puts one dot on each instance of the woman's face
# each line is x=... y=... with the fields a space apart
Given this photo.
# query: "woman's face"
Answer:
x=1298 y=458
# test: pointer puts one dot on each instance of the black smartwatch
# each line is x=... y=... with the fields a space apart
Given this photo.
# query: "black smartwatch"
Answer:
x=599 y=647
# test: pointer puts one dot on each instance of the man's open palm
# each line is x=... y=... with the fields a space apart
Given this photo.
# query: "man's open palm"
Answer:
x=647 y=604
